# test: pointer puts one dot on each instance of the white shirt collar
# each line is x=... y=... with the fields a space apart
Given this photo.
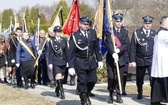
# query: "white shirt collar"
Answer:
x=146 y=30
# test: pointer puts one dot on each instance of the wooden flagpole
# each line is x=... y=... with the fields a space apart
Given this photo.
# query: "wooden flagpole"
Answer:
x=36 y=62
x=38 y=29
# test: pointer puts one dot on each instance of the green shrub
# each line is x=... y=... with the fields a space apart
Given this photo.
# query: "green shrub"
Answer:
x=102 y=74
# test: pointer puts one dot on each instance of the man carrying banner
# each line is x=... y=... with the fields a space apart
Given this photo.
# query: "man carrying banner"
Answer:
x=84 y=55
x=42 y=66
x=121 y=43
x=142 y=51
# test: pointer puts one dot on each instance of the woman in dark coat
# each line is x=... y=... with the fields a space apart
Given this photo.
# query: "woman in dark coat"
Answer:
x=58 y=59
x=25 y=58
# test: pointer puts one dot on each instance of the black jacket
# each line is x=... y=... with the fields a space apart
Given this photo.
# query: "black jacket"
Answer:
x=124 y=40
x=141 y=50
x=84 y=59
x=58 y=52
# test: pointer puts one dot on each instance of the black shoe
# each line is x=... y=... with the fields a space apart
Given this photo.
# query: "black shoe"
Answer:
x=62 y=95
x=110 y=99
x=32 y=85
x=45 y=84
x=119 y=99
x=52 y=85
x=139 y=96
x=26 y=86
x=124 y=93
x=5 y=81
x=1 y=81
x=20 y=84
x=91 y=94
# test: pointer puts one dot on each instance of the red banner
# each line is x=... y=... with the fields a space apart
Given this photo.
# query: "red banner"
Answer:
x=72 y=22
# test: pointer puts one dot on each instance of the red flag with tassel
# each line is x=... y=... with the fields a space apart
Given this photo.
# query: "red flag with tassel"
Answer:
x=72 y=22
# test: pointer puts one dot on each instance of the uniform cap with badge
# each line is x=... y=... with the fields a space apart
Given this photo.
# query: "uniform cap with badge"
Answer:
x=85 y=20
x=57 y=29
x=118 y=17
x=148 y=19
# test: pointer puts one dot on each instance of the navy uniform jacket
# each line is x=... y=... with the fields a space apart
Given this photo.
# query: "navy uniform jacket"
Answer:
x=124 y=40
x=84 y=59
x=58 y=51
x=22 y=54
x=45 y=49
x=141 y=50
x=13 y=46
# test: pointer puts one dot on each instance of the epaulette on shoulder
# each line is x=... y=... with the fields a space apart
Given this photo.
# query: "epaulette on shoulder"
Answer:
x=124 y=28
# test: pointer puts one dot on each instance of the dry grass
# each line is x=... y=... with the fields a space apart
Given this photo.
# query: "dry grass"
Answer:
x=132 y=89
x=11 y=96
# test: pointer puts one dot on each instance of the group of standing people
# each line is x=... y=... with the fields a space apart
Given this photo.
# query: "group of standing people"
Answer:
x=81 y=55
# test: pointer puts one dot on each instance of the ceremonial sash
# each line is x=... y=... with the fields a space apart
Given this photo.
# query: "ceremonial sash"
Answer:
x=13 y=42
x=117 y=41
x=28 y=49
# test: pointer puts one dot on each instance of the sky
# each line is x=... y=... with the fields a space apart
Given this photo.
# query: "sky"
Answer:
x=16 y=4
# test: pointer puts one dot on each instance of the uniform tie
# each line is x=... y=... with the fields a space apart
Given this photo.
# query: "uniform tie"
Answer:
x=147 y=33
x=85 y=34
x=118 y=30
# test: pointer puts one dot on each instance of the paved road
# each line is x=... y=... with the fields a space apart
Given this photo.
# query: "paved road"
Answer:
x=72 y=99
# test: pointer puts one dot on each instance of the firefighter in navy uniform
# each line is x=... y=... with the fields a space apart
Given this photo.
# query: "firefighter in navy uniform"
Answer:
x=141 y=52
x=58 y=59
x=84 y=57
x=119 y=53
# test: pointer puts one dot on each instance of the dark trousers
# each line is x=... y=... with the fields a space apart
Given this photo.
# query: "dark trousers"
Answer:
x=86 y=80
x=125 y=77
x=112 y=77
x=18 y=76
x=65 y=76
x=42 y=71
x=140 y=73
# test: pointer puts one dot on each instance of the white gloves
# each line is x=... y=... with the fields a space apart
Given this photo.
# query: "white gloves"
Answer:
x=6 y=62
x=13 y=61
x=71 y=71
x=117 y=50
x=67 y=65
x=37 y=48
x=50 y=66
x=18 y=64
x=133 y=64
x=39 y=52
x=115 y=56
x=100 y=65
